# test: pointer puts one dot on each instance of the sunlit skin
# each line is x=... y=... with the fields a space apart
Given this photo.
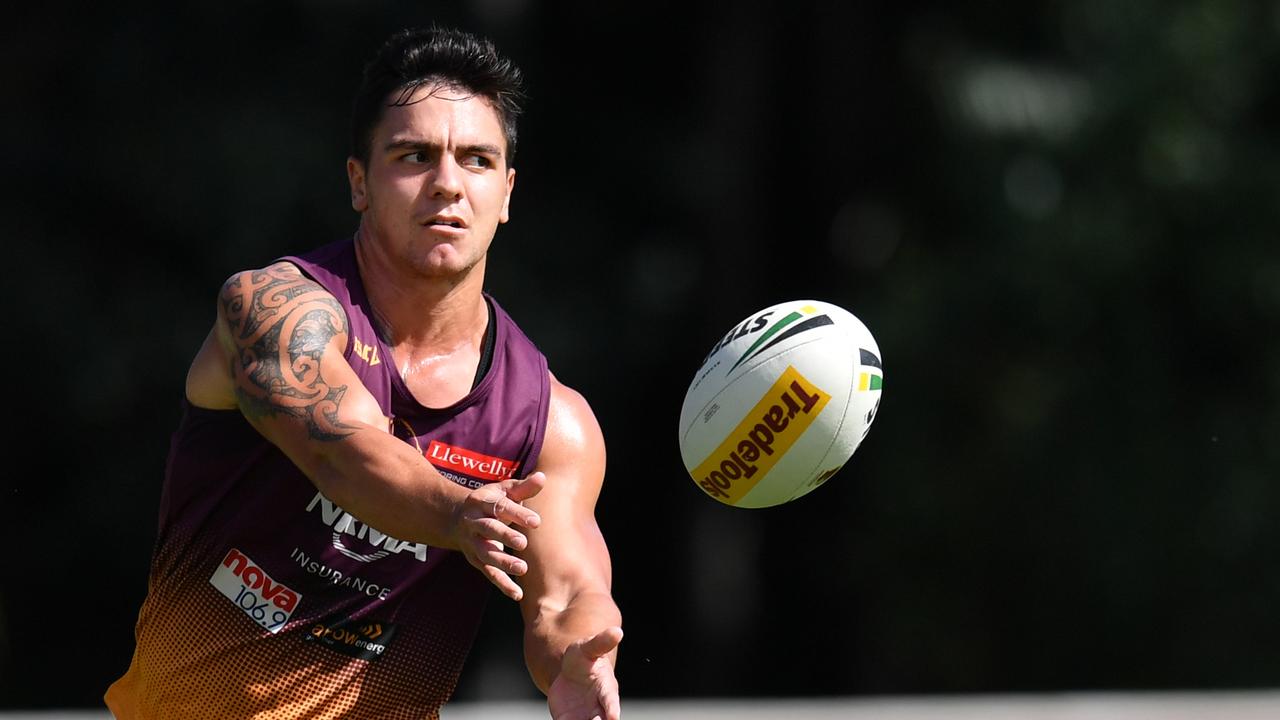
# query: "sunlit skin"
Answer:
x=439 y=159
x=432 y=195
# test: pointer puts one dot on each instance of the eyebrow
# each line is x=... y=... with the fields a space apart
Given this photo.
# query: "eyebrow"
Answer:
x=411 y=144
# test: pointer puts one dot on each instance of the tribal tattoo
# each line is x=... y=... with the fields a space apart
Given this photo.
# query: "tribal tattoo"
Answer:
x=282 y=322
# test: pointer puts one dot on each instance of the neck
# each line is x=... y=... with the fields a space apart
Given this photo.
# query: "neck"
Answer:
x=415 y=308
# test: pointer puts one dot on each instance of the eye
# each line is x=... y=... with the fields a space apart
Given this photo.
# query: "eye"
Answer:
x=477 y=161
x=416 y=157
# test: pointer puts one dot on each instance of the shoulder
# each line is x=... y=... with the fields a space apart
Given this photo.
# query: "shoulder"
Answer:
x=572 y=427
x=276 y=275
x=270 y=294
x=573 y=457
x=254 y=308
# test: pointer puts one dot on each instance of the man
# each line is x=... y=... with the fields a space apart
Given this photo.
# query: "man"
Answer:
x=368 y=441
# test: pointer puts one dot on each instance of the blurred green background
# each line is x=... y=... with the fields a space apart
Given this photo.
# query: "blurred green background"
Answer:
x=1059 y=220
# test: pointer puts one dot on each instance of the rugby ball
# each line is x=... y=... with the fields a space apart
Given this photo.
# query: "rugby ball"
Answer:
x=780 y=404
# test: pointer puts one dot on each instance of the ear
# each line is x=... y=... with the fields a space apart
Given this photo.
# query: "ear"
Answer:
x=359 y=191
x=505 y=215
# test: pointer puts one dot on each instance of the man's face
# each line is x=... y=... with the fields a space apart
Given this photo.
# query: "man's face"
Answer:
x=437 y=184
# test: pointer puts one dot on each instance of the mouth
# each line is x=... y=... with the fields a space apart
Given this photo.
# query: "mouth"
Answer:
x=445 y=221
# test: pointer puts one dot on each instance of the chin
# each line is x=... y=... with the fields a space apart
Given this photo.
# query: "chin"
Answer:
x=445 y=264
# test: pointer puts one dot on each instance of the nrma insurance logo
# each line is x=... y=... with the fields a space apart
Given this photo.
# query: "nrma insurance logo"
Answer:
x=357 y=540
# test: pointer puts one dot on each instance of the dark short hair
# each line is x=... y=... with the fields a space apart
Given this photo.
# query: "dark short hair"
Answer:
x=412 y=58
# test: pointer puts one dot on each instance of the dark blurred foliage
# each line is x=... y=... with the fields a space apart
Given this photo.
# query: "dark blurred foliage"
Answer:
x=1059 y=219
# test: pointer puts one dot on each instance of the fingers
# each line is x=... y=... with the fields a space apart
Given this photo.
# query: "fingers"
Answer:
x=488 y=522
x=509 y=510
x=525 y=488
x=612 y=707
x=503 y=582
x=488 y=557
x=602 y=643
x=491 y=555
x=495 y=529
x=485 y=551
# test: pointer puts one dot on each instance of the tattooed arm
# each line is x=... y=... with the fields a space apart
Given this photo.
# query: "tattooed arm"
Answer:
x=276 y=354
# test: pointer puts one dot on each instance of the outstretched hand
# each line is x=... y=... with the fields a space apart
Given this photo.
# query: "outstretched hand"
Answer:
x=586 y=688
x=485 y=526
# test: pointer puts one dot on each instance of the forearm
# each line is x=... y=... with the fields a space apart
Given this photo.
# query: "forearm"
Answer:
x=388 y=485
x=554 y=628
x=277 y=349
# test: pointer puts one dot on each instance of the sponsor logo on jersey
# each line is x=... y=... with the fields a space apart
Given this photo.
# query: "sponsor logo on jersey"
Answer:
x=243 y=582
x=351 y=537
x=762 y=437
x=337 y=577
x=367 y=352
x=361 y=639
x=470 y=462
x=465 y=482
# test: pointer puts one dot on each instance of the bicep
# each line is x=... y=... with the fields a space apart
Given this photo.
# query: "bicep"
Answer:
x=567 y=554
x=282 y=337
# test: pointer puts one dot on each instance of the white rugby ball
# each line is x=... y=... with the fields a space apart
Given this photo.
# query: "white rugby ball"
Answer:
x=780 y=404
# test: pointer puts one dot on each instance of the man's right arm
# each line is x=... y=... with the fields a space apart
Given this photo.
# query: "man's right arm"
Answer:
x=279 y=340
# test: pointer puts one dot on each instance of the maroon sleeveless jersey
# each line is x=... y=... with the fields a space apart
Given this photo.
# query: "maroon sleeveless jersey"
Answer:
x=266 y=600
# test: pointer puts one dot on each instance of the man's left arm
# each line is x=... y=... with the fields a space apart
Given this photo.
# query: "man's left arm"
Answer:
x=572 y=625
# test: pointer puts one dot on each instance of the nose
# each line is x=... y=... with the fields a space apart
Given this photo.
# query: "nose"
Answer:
x=446 y=181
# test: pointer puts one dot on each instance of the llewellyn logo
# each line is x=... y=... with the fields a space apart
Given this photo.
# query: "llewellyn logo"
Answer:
x=470 y=462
